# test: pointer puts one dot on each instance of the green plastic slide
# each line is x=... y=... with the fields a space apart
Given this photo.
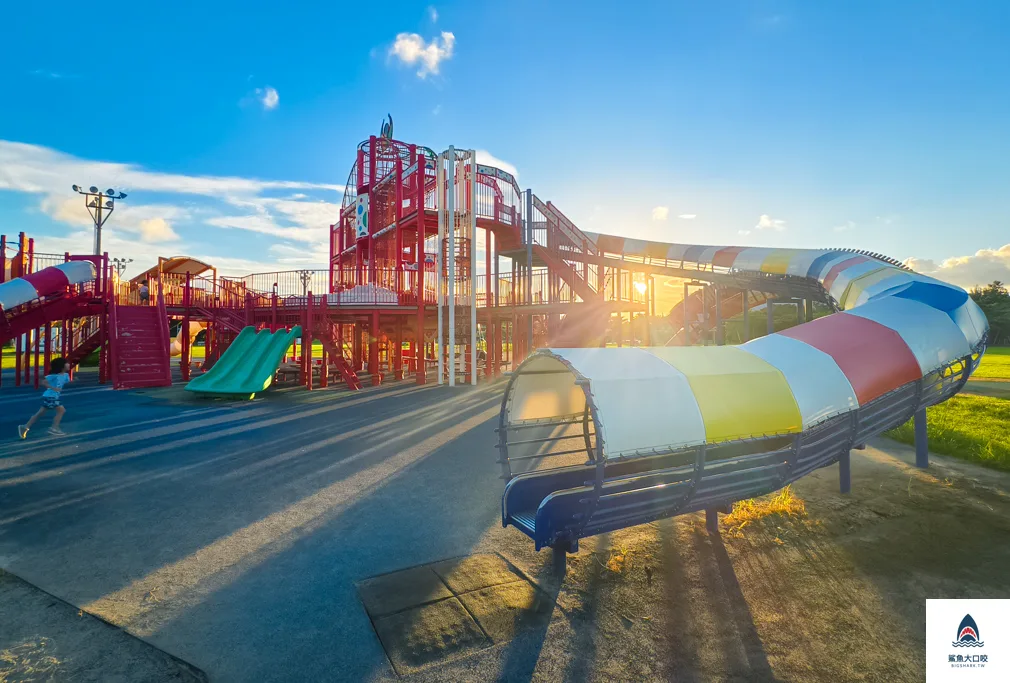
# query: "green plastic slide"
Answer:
x=248 y=365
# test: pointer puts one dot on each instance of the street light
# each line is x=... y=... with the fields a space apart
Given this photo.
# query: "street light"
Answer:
x=306 y=277
x=120 y=265
x=100 y=206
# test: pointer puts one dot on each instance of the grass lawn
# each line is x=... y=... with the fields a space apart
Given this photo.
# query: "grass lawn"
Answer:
x=975 y=428
x=995 y=364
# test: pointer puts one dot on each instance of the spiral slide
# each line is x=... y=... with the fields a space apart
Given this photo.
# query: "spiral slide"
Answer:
x=712 y=425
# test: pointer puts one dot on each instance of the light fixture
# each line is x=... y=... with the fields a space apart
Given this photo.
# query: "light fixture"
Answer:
x=108 y=204
x=110 y=191
x=93 y=189
x=75 y=189
x=122 y=195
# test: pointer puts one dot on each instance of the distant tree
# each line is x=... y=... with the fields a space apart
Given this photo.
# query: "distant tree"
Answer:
x=994 y=300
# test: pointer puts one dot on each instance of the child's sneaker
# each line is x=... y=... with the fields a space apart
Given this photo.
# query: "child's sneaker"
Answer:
x=56 y=431
x=22 y=431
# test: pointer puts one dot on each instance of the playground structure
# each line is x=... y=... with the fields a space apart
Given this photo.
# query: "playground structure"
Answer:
x=440 y=262
x=437 y=264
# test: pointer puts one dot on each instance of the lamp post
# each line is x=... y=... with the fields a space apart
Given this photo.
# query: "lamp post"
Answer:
x=120 y=265
x=306 y=277
x=100 y=206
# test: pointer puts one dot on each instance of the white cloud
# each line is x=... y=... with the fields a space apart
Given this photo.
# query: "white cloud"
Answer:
x=844 y=227
x=688 y=216
x=981 y=268
x=37 y=169
x=311 y=219
x=766 y=222
x=432 y=13
x=660 y=213
x=290 y=255
x=743 y=232
x=437 y=110
x=45 y=73
x=411 y=49
x=150 y=221
x=268 y=97
x=157 y=230
x=160 y=206
x=485 y=157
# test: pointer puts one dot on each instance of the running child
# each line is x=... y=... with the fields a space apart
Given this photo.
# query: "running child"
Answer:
x=54 y=383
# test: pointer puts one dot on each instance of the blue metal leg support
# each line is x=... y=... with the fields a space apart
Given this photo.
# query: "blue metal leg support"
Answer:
x=712 y=520
x=921 y=439
x=845 y=473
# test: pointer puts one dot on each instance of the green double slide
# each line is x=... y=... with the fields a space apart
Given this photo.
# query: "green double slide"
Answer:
x=248 y=365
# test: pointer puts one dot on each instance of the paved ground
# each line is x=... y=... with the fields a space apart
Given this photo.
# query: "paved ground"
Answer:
x=43 y=638
x=234 y=536
x=988 y=387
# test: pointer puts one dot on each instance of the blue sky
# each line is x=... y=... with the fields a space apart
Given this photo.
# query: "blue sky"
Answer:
x=769 y=122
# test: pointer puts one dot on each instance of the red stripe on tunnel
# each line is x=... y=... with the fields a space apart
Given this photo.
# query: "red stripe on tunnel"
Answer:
x=875 y=359
x=48 y=281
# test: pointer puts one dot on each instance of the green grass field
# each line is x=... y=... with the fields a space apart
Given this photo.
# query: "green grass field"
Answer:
x=975 y=428
x=995 y=364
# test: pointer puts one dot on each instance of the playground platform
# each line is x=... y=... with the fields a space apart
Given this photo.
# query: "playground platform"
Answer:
x=241 y=537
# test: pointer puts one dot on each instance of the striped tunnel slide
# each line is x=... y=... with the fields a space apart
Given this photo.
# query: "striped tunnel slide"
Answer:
x=894 y=327
x=45 y=282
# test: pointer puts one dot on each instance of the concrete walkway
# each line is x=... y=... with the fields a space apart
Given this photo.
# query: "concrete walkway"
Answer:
x=230 y=534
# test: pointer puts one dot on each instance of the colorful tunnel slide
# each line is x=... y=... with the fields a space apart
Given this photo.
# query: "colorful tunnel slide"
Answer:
x=724 y=423
x=248 y=365
x=32 y=300
x=44 y=283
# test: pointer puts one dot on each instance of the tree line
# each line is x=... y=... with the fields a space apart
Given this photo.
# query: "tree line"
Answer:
x=994 y=300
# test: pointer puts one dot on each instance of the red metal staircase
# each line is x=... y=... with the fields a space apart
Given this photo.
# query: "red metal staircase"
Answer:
x=335 y=356
x=232 y=320
x=731 y=305
x=84 y=348
x=140 y=346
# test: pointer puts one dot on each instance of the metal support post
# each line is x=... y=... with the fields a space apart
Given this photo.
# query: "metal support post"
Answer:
x=687 y=316
x=712 y=520
x=746 y=316
x=921 y=439
x=720 y=332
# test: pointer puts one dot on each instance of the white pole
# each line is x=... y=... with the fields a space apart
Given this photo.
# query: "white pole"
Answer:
x=439 y=296
x=473 y=270
x=451 y=255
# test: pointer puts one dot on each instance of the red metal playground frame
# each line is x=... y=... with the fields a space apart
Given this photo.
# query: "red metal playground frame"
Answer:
x=542 y=281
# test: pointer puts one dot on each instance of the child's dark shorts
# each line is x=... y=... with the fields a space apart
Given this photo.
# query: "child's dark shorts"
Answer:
x=50 y=402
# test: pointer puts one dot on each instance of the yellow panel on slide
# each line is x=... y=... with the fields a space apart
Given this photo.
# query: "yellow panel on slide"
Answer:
x=739 y=394
x=248 y=365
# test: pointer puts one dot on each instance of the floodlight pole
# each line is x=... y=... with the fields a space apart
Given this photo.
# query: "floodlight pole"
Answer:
x=100 y=205
x=306 y=277
x=120 y=265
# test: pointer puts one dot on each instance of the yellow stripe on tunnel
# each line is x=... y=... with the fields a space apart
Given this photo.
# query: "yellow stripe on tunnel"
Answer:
x=778 y=261
x=856 y=287
x=740 y=395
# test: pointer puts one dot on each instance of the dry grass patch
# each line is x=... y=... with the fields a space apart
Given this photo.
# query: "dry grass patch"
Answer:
x=783 y=503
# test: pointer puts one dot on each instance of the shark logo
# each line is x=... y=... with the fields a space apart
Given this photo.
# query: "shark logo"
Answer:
x=968 y=634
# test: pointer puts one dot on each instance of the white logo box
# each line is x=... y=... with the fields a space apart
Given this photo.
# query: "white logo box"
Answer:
x=967 y=641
